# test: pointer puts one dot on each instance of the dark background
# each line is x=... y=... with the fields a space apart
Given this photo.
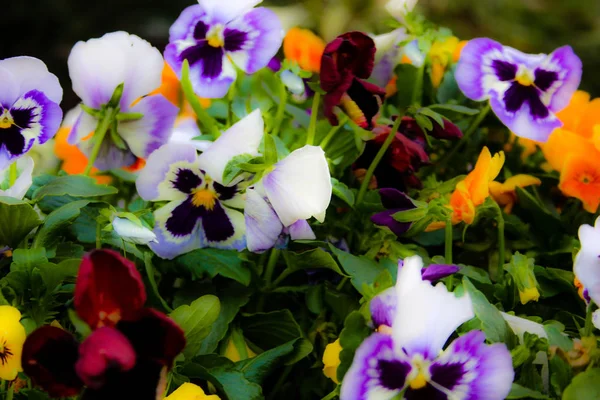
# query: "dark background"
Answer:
x=48 y=29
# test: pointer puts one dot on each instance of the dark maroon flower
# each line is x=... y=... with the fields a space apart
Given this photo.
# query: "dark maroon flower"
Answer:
x=49 y=357
x=108 y=288
x=394 y=201
x=345 y=63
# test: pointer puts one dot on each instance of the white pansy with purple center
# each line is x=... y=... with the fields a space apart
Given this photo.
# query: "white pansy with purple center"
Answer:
x=525 y=90
x=97 y=67
x=411 y=361
x=587 y=262
x=201 y=212
x=29 y=106
x=213 y=36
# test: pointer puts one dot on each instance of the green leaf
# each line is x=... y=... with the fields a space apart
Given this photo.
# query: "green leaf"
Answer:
x=315 y=258
x=354 y=333
x=432 y=115
x=270 y=152
x=272 y=329
x=492 y=323
x=49 y=234
x=341 y=191
x=55 y=274
x=557 y=338
x=521 y=392
x=256 y=369
x=455 y=108
x=28 y=259
x=411 y=215
x=17 y=219
x=196 y=321
x=234 y=167
x=561 y=374
x=585 y=386
x=363 y=271
x=477 y=274
x=75 y=186
x=211 y=262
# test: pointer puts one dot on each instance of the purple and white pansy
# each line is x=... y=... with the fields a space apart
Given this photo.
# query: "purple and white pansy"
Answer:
x=408 y=361
x=29 y=106
x=213 y=37
x=201 y=211
x=296 y=189
x=140 y=125
x=587 y=265
x=525 y=90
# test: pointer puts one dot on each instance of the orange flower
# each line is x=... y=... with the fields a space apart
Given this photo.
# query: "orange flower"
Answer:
x=580 y=178
x=562 y=143
x=581 y=115
x=304 y=47
x=505 y=193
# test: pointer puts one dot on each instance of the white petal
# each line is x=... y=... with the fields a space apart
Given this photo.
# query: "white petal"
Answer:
x=425 y=315
x=24 y=178
x=225 y=12
x=262 y=224
x=399 y=8
x=83 y=125
x=293 y=82
x=98 y=66
x=30 y=73
x=184 y=132
x=301 y=230
x=388 y=41
x=242 y=138
x=132 y=232
x=521 y=325
x=300 y=185
x=587 y=261
x=596 y=318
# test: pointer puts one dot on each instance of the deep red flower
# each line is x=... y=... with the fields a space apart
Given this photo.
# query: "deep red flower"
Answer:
x=346 y=62
x=108 y=288
x=406 y=155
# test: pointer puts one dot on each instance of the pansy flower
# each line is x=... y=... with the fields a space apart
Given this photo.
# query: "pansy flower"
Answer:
x=525 y=90
x=587 y=265
x=305 y=48
x=347 y=61
x=298 y=188
x=213 y=36
x=393 y=201
x=442 y=53
x=29 y=106
x=201 y=211
x=189 y=391
x=400 y=8
x=129 y=350
x=97 y=69
x=505 y=193
x=12 y=337
x=410 y=360
x=331 y=360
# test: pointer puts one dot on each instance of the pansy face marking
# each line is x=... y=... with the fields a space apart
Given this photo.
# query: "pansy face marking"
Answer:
x=5 y=353
x=525 y=90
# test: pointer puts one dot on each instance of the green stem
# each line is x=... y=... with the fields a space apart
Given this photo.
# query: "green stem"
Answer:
x=369 y=174
x=271 y=264
x=98 y=236
x=99 y=135
x=283 y=98
x=280 y=381
x=205 y=119
x=153 y=285
x=587 y=329
x=333 y=131
x=239 y=342
x=501 y=244
x=417 y=94
x=448 y=242
x=466 y=136
x=312 y=127
x=342 y=283
x=281 y=277
x=12 y=174
x=11 y=390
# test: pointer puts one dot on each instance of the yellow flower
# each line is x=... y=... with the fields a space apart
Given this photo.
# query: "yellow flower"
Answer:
x=12 y=337
x=562 y=143
x=331 y=359
x=529 y=294
x=233 y=353
x=441 y=53
x=189 y=391
x=304 y=47
x=505 y=193
x=580 y=178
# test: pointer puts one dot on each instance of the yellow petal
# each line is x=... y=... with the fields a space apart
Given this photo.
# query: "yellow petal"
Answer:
x=520 y=180
x=496 y=165
x=476 y=183
x=561 y=143
x=189 y=391
x=12 y=338
x=331 y=359
x=529 y=294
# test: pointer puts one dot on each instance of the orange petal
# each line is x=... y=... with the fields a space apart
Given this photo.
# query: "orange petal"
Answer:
x=561 y=143
x=571 y=115
x=580 y=178
x=304 y=47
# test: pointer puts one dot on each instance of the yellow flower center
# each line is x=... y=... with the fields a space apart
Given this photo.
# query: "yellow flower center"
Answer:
x=419 y=376
x=525 y=77
x=6 y=120
x=215 y=36
x=204 y=198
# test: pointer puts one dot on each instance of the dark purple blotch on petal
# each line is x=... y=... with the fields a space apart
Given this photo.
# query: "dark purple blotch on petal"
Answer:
x=544 y=79
x=234 y=39
x=505 y=71
x=210 y=57
x=200 y=30
x=392 y=374
x=183 y=219
x=216 y=224
x=186 y=181
x=517 y=95
x=225 y=192
x=447 y=375
x=11 y=137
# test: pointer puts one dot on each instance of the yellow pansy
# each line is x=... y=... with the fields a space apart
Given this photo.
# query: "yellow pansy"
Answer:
x=189 y=391
x=505 y=193
x=442 y=52
x=331 y=359
x=12 y=337
x=233 y=353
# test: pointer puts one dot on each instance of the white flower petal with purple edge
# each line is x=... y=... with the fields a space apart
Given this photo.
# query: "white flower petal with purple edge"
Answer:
x=299 y=187
x=184 y=132
x=426 y=315
x=524 y=90
x=243 y=137
x=262 y=224
x=129 y=231
x=235 y=8
x=98 y=66
x=29 y=73
x=596 y=318
x=587 y=262
x=383 y=308
x=301 y=230
x=24 y=179
x=154 y=129
x=83 y=126
x=155 y=181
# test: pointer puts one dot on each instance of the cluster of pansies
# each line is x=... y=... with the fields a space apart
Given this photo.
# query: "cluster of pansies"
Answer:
x=290 y=211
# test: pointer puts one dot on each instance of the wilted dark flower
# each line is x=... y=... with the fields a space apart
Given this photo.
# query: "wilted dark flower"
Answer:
x=347 y=60
x=394 y=201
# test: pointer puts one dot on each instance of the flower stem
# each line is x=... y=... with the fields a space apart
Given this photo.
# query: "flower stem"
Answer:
x=417 y=94
x=448 y=242
x=369 y=174
x=153 y=285
x=11 y=390
x=332 y=132
x=205 y=119
x=271 y=264
x=587 y=329
x=12 y=174
x=501 y=245
x=99 y=135
x=283 y=98
x=312 y=127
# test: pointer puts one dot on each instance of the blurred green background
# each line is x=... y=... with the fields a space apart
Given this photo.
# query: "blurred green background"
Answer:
x=48 y=29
